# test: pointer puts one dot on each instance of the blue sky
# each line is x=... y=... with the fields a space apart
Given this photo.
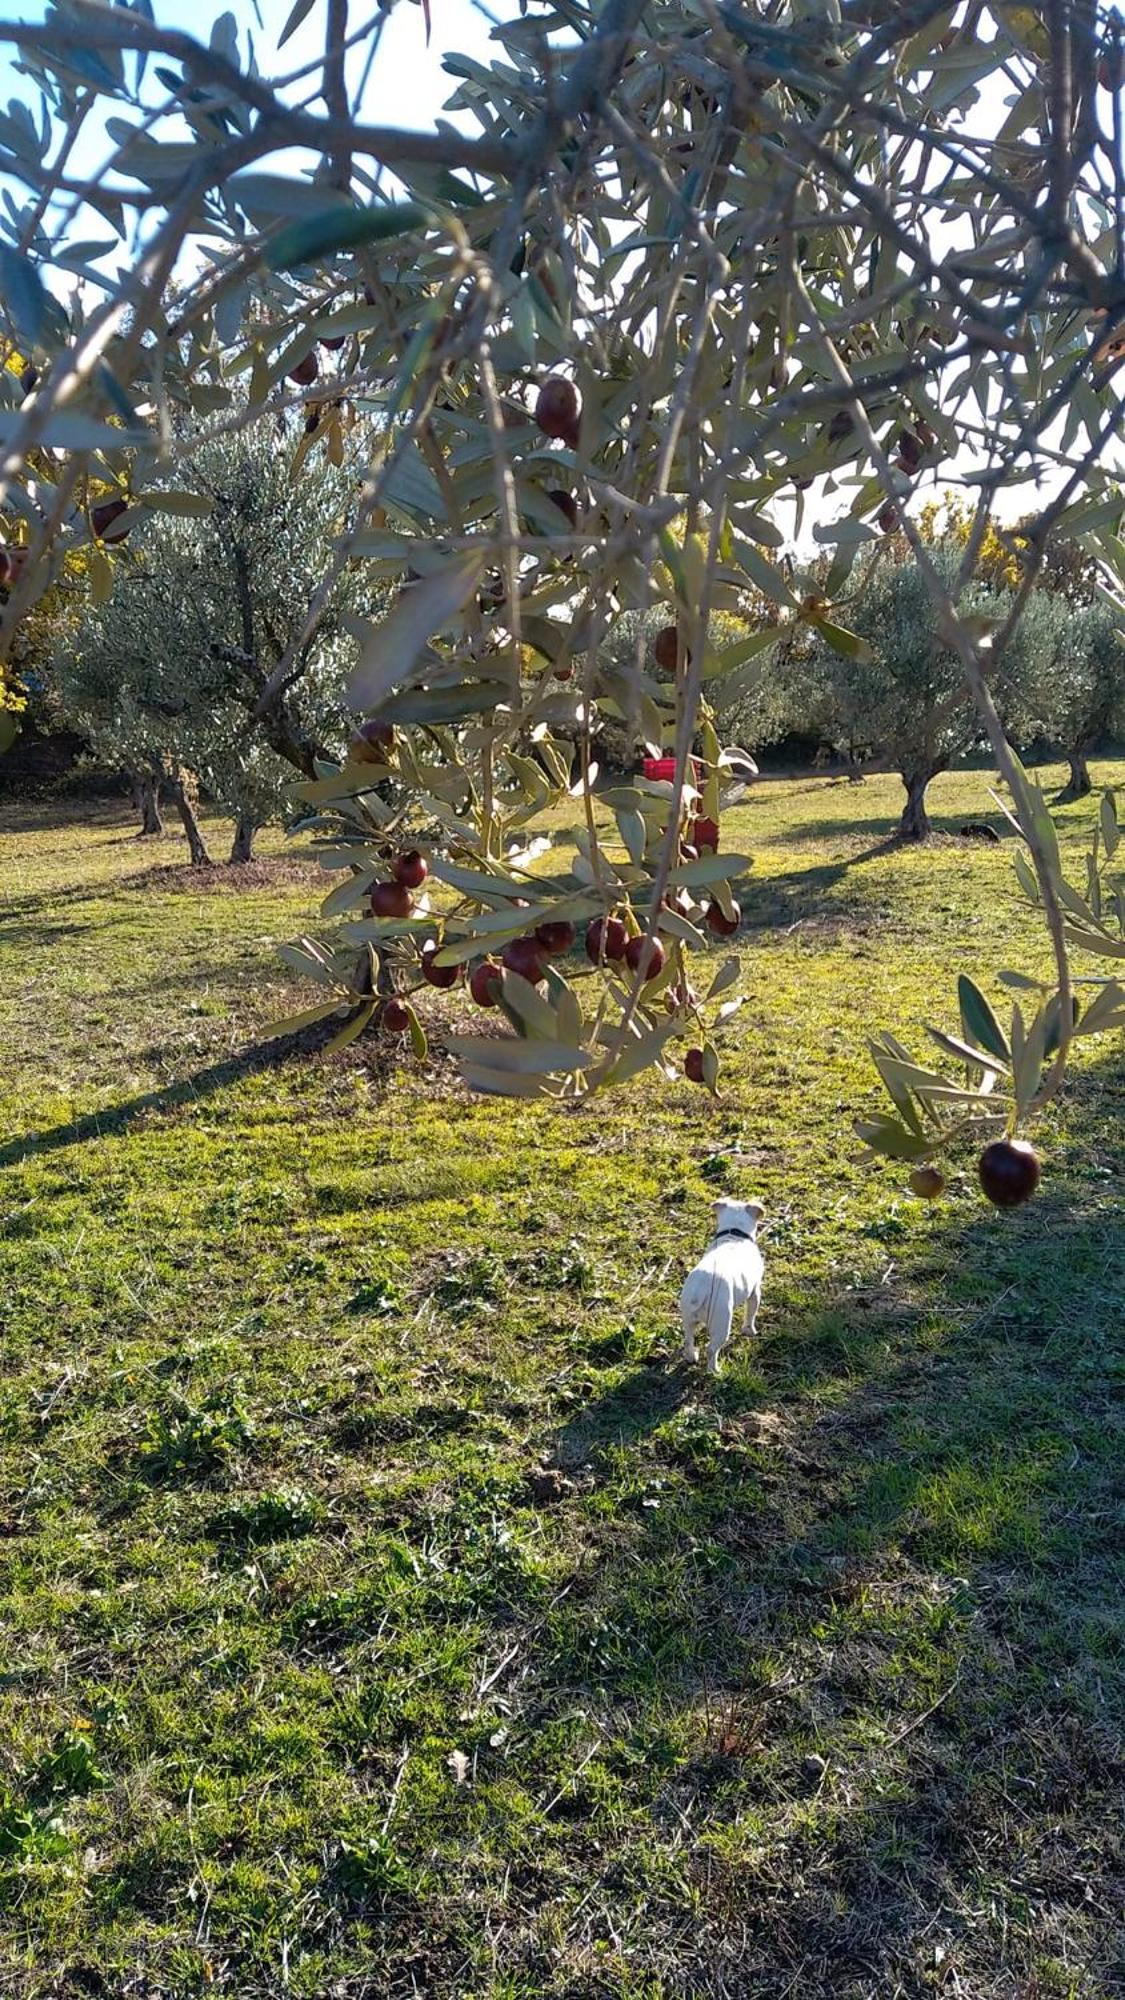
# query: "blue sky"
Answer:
x=407 y=86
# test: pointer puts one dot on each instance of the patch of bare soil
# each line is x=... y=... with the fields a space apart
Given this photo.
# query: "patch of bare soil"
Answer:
x=180 y=878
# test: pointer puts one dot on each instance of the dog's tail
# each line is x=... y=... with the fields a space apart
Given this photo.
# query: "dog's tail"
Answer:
x=697 y=1296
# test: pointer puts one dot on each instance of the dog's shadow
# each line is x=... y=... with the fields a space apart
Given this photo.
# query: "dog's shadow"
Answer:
x=641 y=1401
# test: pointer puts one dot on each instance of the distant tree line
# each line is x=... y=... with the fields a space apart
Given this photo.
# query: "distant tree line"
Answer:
x=169 y=665
x=900 y=699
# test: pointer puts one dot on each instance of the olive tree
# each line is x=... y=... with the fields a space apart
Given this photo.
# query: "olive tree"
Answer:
x=900 y=692
x=1073 y=690
x=167 y=670
x=664 y=296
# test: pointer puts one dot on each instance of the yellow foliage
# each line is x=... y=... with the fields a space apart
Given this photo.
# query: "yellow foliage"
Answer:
x=12 y=700
x=951 y=519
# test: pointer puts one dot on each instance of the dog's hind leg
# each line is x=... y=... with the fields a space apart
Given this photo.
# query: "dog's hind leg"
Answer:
x=689 y=1338
x=752 y=1304
x=720 y=1334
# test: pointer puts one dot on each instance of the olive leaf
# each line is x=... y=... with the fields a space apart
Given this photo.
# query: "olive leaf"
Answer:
x=336 y=228
x=392 y=647
x=979 y=1021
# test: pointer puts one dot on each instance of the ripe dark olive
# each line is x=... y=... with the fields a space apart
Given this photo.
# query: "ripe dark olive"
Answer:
x=842 y=426
x=370 y=741
x=704 y=835
x=525 y=957
x=395 y=1017
x=391 y=899
x=333 y=340
x=557 y=409
x=680 y=902
x=555 y=938
x=927 y=1183
x=910 y=452
x=566 y=504
x=667 y=651
x=103 y=516
x=442 y=976
x=887 y=519
x=29 y=379
x=615 y=941
x=411 y=868
x=718 y=922
x=484 y=983
x=693 y=1065
x=1009 y=1172
x=311 y=422
x=646 y=952
x=305 y=370
x=1111 y=69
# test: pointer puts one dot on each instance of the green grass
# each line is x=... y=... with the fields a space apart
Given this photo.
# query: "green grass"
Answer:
x=382 y=1609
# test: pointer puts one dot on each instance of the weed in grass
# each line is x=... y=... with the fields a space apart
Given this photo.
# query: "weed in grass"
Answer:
x=193 y=1439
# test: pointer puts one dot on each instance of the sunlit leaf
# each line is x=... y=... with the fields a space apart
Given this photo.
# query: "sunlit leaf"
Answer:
x=725 y=977
x=291 y=1024
x=352 y=1029
x=850 y=644
x=979 y=1021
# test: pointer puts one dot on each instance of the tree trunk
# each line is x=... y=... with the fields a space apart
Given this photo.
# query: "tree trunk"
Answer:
x=291 y=742
x=243 y=846
x=915 y=824
x=146 y=799
x=1078 y=783
x=197 y=846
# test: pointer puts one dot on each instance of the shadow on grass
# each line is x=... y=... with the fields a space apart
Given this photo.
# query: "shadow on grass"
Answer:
x=805 y=894
x=49 y=814
x=118 y=1118
x=872 y=1569
x=886 y=825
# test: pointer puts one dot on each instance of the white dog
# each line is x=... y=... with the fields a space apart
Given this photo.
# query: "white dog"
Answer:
x=727 y=1277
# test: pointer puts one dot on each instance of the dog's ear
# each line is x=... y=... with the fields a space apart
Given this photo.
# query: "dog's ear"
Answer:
x=756 y=1211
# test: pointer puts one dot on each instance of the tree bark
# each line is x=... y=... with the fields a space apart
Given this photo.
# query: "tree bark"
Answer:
x=285 y=735
x=146 y=799
x=242 y=848
x=149 y=807
x=915 y=824
x=1078 y=783
x=197 y=846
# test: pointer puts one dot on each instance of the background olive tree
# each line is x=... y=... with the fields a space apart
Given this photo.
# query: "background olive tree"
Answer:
x=1073 y=691
x=680 y=288
x=167 y=671
x=902 y=695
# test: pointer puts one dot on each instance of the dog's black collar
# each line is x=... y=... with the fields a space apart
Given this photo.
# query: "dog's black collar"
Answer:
x=745 y=1234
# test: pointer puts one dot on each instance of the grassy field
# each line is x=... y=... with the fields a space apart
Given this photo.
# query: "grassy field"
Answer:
x=383 y=1610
